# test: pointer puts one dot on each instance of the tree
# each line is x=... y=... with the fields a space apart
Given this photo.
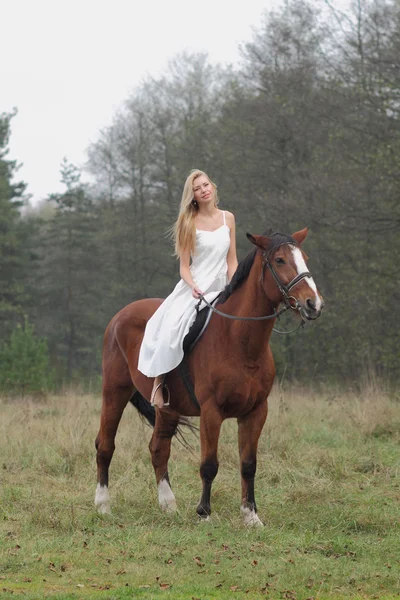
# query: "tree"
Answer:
x=69 y=288
x=24 y=362
x=306 y=132
x=14 y=254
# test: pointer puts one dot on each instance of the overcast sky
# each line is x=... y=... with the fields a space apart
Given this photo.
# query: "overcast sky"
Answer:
x=67 y=66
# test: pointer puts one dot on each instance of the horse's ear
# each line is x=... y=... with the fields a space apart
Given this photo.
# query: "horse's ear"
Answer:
x=261 y=241
x=300 y=236
x=252 y=238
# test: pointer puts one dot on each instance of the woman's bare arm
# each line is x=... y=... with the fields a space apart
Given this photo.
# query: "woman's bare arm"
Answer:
x=185 y=273
x=231 y=258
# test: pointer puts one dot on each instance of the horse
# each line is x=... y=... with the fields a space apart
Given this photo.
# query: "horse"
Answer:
x=231 y=367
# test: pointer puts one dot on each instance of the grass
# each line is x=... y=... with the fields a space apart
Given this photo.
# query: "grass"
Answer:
x=328 y=491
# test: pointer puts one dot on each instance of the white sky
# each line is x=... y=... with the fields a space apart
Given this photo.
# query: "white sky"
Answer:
x=67 y=66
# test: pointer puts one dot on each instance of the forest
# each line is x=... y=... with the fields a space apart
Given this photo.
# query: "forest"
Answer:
x=303 y=132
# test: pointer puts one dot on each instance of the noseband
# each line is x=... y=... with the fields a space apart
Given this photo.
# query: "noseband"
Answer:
x=284 y=289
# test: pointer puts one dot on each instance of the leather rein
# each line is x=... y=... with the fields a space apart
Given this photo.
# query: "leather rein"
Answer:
x=284 y=289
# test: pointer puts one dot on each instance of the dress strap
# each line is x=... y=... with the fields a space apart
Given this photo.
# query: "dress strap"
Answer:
x=223 y=212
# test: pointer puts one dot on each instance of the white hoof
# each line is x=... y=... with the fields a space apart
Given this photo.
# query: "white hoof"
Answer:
x=250 y=517
x=102 y=500
x=205 y=519
x=166 y=498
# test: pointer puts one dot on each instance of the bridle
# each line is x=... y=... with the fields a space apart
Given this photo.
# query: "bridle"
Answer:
x=284 y=290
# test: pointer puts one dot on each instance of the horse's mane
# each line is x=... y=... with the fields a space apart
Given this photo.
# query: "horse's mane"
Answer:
x=244 y=266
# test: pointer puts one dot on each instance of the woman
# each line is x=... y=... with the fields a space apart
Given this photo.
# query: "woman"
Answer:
x=205 y=244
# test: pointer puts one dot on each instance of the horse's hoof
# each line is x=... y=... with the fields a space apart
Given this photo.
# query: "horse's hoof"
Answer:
x=168 y=507
x=250 y=517
x=166 y=498
x=104 y=509
x=102 y=500
x=254 y=522
x=204 y=512
x=204 y=519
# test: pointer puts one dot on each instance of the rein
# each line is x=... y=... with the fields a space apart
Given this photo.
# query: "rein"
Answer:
x=284 y=289
x=233 y=317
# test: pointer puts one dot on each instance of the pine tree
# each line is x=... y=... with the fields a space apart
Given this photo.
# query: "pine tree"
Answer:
x=24 y=362
x=14 y=257
x=69 y=290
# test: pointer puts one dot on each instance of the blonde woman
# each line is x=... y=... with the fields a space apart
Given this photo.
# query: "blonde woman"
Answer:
x=205 y=244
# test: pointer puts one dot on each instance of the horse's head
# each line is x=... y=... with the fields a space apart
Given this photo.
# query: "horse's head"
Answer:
x=285 y=276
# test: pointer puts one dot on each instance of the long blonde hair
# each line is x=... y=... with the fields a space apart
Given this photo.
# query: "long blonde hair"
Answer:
x=184 y=229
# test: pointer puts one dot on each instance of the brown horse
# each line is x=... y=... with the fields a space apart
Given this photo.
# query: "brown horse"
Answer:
x=231 y=367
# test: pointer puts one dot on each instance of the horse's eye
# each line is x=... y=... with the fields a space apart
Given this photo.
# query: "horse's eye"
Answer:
x=279 y=261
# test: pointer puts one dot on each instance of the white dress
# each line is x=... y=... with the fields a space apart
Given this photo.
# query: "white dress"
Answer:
x=162 y=345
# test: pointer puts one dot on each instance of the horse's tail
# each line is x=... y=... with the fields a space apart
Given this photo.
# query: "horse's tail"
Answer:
x=144 y=408
x=148 y=412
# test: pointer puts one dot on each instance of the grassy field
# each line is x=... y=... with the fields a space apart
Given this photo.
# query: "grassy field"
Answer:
x=328 y=492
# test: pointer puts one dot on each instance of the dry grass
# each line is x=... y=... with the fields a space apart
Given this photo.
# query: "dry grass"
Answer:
x=327 y=489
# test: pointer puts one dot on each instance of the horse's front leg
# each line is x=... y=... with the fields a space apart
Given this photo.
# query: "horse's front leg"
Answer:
x=160 y=449
x=250 y=427
x=210 y=426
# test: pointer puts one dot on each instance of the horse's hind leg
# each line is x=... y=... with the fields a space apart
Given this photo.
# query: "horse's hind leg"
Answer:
x=160 y=449
x=250 y=427
x=114 y=401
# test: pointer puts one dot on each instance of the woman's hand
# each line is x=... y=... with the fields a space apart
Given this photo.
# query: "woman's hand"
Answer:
x=196 y=292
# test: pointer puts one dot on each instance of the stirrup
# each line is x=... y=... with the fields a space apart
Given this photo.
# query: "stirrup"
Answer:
x=153 y=395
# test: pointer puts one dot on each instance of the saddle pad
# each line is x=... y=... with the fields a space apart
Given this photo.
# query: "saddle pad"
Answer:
x=197 y=328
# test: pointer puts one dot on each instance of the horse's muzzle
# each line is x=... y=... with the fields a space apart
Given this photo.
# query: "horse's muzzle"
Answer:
x=309 y=309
